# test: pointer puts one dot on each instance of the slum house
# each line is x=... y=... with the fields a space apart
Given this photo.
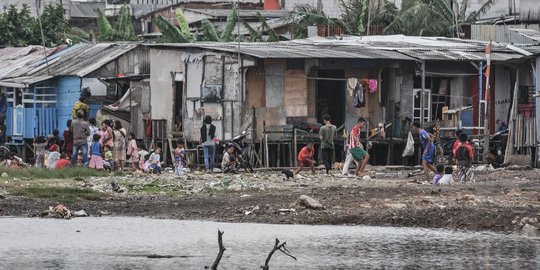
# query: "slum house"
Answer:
x=287 y=83
x=522 y=99
x=41 y=90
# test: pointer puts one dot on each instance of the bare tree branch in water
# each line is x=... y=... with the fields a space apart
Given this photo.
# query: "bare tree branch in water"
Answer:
x=221 y=251
x=281 y=247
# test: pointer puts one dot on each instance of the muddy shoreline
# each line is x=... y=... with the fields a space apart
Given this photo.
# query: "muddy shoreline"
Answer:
x=498 y=201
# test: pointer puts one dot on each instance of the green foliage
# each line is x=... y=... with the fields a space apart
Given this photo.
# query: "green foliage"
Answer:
x=54 y=25
x=58 y=194
x=227 y=35
x=17 y=28
x=183 y=25
x=209 y=32
x=272 y=35
x=434 y=17
x=306 y=15
x=39 y=173
x=121 y=30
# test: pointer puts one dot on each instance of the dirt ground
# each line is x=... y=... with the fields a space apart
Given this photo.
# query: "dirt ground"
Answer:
x=499 y=200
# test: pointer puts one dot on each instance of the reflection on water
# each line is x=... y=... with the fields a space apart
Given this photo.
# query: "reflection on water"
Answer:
x=127 y=243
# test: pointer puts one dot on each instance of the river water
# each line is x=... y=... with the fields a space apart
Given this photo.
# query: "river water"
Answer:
x=126 y=243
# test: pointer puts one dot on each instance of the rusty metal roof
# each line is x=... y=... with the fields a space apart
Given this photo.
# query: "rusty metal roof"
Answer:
x=28 y=65
x=290 y=50
x=396 y=47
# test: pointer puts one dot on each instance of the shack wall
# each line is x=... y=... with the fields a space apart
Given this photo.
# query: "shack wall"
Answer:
x=163 y=64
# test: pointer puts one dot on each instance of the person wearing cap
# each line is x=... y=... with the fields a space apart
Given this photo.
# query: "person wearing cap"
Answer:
x=80 y=105
x=81 y=130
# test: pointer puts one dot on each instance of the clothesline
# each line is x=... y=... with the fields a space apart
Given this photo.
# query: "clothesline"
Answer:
x=320 y=78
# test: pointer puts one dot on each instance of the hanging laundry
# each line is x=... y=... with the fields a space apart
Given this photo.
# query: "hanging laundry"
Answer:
x=359 y=100
x=351 y=85
x=373 y=86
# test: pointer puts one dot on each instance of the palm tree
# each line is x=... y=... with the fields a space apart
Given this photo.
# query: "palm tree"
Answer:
x=434 y=17
x=355 y=14
x=305 y=15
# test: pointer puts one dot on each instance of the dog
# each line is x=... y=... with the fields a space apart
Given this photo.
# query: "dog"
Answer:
x=288 y=173
x=338 y=165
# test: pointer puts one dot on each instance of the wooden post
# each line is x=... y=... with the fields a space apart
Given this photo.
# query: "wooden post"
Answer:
x=295 y=147
x=511 y=124
x=422 y=106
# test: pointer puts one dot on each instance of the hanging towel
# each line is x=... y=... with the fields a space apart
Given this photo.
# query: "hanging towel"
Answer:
x=351 y=85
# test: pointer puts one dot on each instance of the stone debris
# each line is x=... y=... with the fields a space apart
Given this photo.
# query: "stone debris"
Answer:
x=59 y=211
x=309 y=203
x=80 y=213
x=394 y=205
x=366 y=177
x=5 y=175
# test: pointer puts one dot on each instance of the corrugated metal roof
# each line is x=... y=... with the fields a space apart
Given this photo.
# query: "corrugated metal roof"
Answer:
x=397 y=47
x=85 y=9
x=440 y=55
x=78 y=60
x=533 y=34
x=289 y=50
x=223 y=13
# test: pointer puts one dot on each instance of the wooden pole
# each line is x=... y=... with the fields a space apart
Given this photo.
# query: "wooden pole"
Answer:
x=511 y=124
x=422 y=105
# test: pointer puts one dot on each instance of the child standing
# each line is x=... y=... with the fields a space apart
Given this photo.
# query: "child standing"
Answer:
x=96 y=161
x=305 y=158
x=155 y=161
x=179 y=159
x=464 y=156
x=109 y=163
x=39 y=146
x=132 y=151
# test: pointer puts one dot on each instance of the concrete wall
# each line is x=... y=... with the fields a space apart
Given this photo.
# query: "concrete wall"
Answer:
x=162 y=63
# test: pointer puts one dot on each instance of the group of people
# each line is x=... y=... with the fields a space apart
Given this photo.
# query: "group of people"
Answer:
x=355 y=149
x=462 y=155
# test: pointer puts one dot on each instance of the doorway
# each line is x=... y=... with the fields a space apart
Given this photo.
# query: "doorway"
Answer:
x=331 y=96
x=178 y=105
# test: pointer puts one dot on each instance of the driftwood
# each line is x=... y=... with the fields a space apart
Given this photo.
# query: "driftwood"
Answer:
x=281 y=247
x=220 y=253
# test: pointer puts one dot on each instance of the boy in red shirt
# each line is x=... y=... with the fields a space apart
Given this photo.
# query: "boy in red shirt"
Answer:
x=305 y=158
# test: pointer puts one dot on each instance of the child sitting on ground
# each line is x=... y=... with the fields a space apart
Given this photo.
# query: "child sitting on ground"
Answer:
x=141 y=154
x=447 y=178
x=96 y=161
x=62 y=162
x=305 y=158
x=179 y=159
x=438 y=175
x=54 y=156
x=154 y=162
x=229 y=164
x=109 y=163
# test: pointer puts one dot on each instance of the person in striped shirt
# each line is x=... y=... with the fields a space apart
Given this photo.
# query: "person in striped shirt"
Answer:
x=354 y=143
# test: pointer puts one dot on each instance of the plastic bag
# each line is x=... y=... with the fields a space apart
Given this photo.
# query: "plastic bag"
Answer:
x=409 y=147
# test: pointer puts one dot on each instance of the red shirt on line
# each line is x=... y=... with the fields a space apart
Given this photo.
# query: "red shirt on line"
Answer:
x=306 y=153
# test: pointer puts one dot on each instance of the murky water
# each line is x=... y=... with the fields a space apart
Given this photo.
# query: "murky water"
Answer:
x=125 y=243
